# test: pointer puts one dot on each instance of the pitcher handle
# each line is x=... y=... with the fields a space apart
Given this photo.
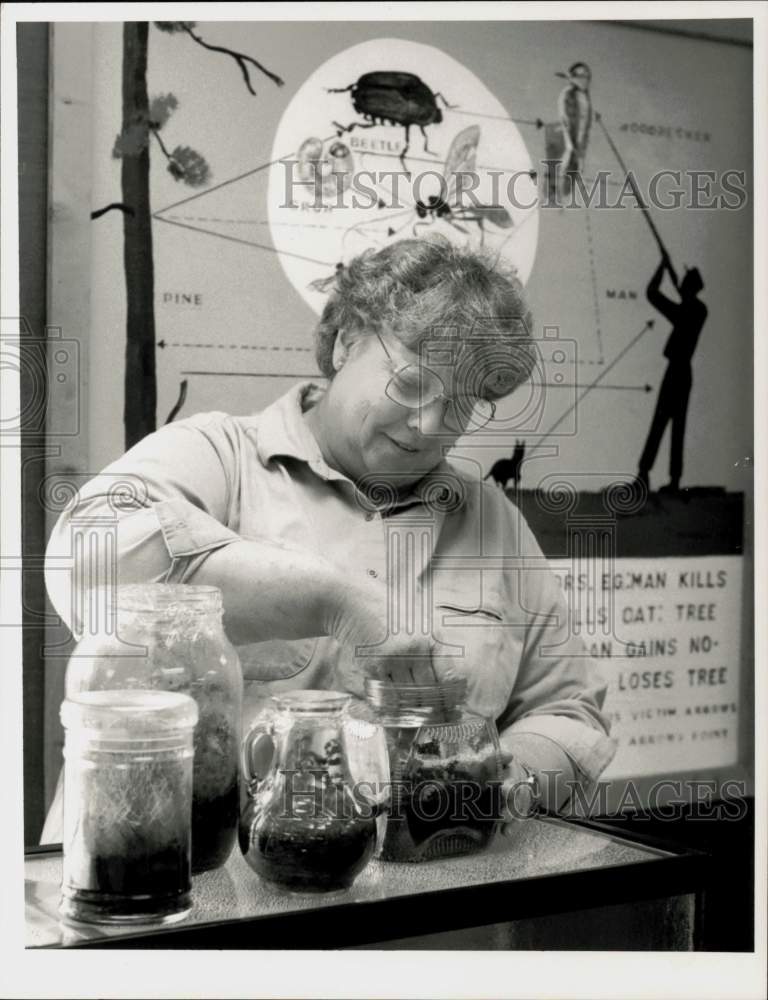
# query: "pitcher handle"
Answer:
x=257 y=754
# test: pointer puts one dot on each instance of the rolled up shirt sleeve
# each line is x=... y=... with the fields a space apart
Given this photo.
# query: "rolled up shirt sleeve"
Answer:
x=559 y=692
x=152 y=516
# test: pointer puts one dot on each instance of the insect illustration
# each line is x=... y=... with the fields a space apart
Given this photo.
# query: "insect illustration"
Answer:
x=393 y=98
x=452 y=205
x=327 y=171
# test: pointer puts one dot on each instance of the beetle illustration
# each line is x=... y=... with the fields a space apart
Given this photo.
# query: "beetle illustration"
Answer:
x=387 y=97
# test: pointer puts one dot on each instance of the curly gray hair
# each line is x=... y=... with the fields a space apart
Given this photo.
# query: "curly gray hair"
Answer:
x=422 y=288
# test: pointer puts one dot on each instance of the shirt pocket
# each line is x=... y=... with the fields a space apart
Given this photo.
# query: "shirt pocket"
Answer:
x=481 y=646
x=277 y=659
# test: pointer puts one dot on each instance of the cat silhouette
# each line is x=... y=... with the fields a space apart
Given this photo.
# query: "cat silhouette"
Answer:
x=509 y=468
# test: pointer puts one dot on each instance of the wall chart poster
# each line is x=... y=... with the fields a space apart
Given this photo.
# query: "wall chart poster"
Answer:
x=605 y=166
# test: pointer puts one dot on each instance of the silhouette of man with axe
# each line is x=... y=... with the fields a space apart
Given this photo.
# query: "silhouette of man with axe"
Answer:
x=687 y=318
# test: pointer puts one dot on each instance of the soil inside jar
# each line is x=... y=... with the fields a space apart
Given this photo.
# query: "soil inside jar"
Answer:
x=441 y=808
x=164 y=872
x=121 y=887
x=214 y=785
x=214 y=829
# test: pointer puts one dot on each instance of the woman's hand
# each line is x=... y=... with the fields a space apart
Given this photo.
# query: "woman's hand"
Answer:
x=287 y=592
x=523 y=755
x=518 y=795
x=359 y=621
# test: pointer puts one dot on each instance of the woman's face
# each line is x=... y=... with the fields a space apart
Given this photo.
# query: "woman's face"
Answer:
x=362 y=431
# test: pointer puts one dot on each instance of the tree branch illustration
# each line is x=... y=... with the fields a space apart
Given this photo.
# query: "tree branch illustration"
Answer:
x=142 y=120
x=113 y=206
x=241 y=59
x=184 y=164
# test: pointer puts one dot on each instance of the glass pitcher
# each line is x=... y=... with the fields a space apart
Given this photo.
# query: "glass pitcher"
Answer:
x=302 y=827
x=170 y=637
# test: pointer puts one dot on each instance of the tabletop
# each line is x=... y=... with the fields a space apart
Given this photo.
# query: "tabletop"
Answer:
x=538 y=868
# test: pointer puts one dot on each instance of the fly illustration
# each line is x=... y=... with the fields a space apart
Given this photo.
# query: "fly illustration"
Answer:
x=456 y=203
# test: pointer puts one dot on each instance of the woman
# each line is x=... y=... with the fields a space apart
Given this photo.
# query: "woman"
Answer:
x=304 y=515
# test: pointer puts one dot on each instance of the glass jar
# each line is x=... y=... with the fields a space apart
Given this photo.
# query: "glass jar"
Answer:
x=170 y=637
x=127 y=806
x=445 y=771
x=302 y=828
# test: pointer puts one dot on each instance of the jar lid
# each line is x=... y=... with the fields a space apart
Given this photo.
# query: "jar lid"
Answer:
x=128 y=714
x=166 y=601
x=148 y=597
x=394 y=697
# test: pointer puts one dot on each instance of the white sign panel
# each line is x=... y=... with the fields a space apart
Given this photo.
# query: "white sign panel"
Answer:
x=666 y=632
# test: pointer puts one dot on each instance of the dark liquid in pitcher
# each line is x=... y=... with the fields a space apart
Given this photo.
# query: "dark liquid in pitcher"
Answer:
x=310 y=850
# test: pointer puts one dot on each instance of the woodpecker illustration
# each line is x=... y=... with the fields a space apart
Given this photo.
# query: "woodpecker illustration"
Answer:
x=574 y=108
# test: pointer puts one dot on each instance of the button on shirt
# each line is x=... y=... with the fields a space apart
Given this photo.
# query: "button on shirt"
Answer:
x=459 y=560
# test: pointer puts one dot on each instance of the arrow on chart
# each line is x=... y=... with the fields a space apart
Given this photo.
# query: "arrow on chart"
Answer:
x=258 y=374
x=580 y=385
x=232 y=347
x=502 y=118
x=595 y=382
x=421 y=159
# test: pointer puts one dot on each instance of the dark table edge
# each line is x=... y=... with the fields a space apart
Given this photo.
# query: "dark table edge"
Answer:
x=631 y=835
x=368 y=922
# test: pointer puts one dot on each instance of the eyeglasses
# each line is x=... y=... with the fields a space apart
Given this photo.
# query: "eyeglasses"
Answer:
x=414 y=386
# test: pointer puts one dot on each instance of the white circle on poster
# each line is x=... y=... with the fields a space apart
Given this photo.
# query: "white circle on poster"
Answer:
x=389 y=140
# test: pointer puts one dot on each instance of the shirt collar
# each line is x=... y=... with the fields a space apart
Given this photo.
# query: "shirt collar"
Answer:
x=283 y=431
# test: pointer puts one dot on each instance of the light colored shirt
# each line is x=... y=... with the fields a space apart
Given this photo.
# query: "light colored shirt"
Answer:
x=458 y=556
